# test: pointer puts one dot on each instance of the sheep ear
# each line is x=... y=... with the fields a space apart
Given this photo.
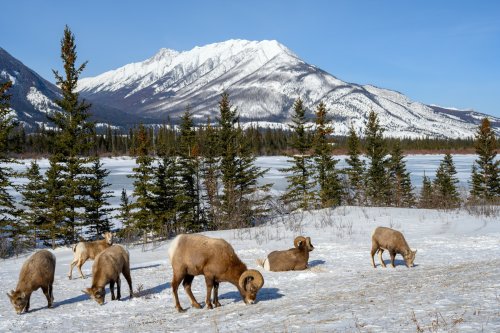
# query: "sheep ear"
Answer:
x=10 y=296
x=87 y=291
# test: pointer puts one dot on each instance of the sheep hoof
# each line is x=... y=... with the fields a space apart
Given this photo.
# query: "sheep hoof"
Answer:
x=196 y=305
x=209 y=306
x=217 y=304
x=180 y=310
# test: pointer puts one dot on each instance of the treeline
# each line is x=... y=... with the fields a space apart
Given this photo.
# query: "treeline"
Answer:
x=194 y=178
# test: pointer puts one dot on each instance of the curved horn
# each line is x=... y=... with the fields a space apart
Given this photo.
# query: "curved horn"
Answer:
x=256 y=277
x=297 y=240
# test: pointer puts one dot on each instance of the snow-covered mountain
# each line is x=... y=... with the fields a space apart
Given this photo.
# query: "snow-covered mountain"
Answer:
x=263 y=79
x=32 y=97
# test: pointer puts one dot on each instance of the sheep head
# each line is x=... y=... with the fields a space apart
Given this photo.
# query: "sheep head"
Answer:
x=19 y=300
x=96 y=294
x=108 y=236
x=301 y=241
x=250 y=283
x=409 y=258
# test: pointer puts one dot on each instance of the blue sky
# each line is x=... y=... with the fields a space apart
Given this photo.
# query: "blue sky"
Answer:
x=436 y=52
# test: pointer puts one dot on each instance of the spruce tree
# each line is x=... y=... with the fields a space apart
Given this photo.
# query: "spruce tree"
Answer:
x=189 y=174
x=142 y=215
x=377 y=184
x=73 y=138
x=399 y=179
x=445 y=183
x=211 y=176
x=426 y=194
x=33 y=202
x=477 y=187
x=355 y=171
x=54 y=203
x=166 y=195
x=124 y=210
x=10 y=227
x=299 y=193
x=487 y=175
x=330 y=188
x=97 y=210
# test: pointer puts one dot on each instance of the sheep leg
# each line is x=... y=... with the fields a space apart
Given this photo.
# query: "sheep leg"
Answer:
x=73 y=263
x=216 y=294
x=393 y=256
x=112 y=289
x=79 y=266
x=118 y=288
x=46 y=292
x=51 y=293
x=373 y=251
x=27 y=307
x=188 y=280
x=380 y=251
x=176 y=281
x=126 y=274
x=210 y=284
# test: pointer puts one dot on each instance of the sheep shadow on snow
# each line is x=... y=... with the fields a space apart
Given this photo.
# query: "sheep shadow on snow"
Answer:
x=264 y=294
x=144 y=267
x=314 y=263
x=154 y=290
x=397 y=262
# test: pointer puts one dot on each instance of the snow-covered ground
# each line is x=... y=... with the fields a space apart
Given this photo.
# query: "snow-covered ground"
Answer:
x=454 y=287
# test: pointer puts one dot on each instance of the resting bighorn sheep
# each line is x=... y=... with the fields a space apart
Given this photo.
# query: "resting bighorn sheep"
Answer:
x=84 y=251
x=37 y=272
x=393 y=241
x=106 y=269
x=290 y=260
x=192 y=255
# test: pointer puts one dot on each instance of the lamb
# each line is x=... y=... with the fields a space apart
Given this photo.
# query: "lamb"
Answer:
x=393 y=241
x=192 y=255
x=290 y=260
x=106 y=269
x=37 y=272
x=84 y=251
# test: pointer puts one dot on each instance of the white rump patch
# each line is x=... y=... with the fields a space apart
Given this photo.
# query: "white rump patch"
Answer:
x=266 y=265
x=173 y=247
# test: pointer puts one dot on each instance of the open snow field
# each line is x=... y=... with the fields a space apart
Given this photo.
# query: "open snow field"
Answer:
x=455 y=286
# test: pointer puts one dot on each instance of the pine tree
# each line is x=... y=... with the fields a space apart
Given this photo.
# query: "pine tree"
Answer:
x=33 y=194
x=124 y=214
x=445 y=183
x=189 y=173
x=97 y=210
x=426 y=194
x=356 y=169
x=142 y=216
x=10 y=227
x=299 y=193
x=487 y=175
x=377 y=184
x=73 y=138
x=330 y=188
x=477 y=188
x=54 y=203
x=399 y=178
x=166 y=197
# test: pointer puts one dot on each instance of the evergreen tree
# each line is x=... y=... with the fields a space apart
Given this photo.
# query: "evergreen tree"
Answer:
x=399 y=178
x=445 y=183
x=477 y=188
x=356 y=169
x=142 y=215
x=166 y=197
x=54 y=204
x=73 y=137
x=487 y=173
x=299 y=193
x=426 y=194
x=330 y=188
x=189 y=173
x=97 y=210
x=10 y=227
x=33 y=201
x=211 y=176
x=377 y=184
x=124 y=214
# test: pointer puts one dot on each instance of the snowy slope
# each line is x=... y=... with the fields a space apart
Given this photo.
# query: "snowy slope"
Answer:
x=454 y=286
x=263 y=79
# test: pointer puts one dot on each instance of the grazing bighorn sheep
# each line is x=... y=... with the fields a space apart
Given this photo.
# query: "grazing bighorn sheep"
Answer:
x=294 y=259
x=84 y=251
x=37 y=272
x=192 y=255
x=106 y=269
x=393 y=241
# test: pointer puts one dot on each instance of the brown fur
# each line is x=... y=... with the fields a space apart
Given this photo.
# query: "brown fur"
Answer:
x=106 y=269
x=192 y=255
x=294 y=259
x=84 y=251
x=394 y=242
x=37 y=272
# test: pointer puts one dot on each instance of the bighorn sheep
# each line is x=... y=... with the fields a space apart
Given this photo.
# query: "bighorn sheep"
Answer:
x=84 y=251
x=192 y=255
x=393 y=241
x=290 y=260
x=37 y=272
x=106 y=269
